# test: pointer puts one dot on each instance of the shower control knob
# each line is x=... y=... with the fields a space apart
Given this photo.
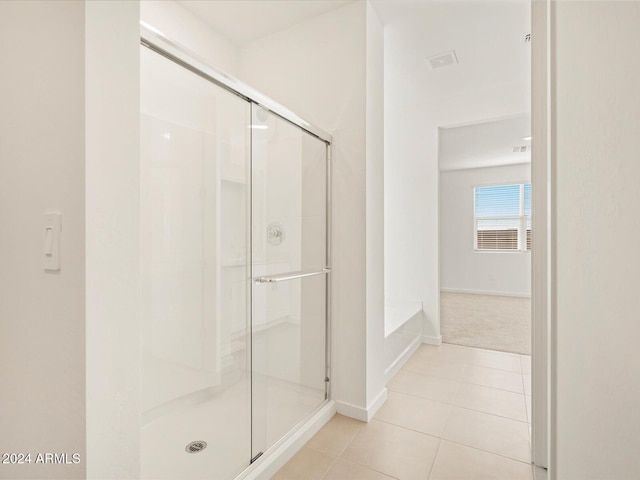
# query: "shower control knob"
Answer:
x=275 y=233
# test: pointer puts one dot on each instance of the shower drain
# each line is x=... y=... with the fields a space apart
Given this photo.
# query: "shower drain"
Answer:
x=195 y=447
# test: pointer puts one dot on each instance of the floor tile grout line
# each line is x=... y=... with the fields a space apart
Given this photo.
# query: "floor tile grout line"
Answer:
x=526 y=409
x=529 y=416
x=472 y=348
x=440 y=438
x=437 y=437
x=366 y=466
x=428 y=375
x=455 y=395
x=423 y=398
x=486 y=451
x=398 y=426
x=461 y=379
x=499 y=416
x=494 y=388
x=481 y=350
x=359 y=427
x=405 y=367
x=486 y=350
x=465 y=408
x=495 y=368
x=330 y=466
x=435 y=458
x=491 y=350
x=352 y=439
x=492 y=414
x=489 y=413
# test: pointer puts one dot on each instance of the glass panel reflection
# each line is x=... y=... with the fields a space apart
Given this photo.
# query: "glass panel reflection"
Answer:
x=194 y=248
x=289 y=200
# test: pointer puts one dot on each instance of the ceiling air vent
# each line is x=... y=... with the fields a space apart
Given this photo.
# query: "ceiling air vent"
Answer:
x=443 y=60
x=521 y=149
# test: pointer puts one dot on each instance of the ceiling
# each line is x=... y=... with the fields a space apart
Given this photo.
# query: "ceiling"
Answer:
x=487 y=36
x=491 y=80
x=243 y=21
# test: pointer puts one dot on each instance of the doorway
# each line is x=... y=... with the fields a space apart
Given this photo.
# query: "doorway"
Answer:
x=485 y=234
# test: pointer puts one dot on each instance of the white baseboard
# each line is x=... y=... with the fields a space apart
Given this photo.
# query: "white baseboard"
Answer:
x=397 y=364
x=374 y=406
x=486 y=292
x=432 y=340
x=274 y=458
x=350 y=410
x=363 y=414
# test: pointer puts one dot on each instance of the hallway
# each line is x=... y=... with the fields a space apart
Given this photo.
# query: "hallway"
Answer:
x=453 y=412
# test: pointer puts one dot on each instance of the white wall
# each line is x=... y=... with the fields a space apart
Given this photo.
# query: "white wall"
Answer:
x=462 y=268
x=112 y=239
x=485 y=144
x=42 y=317
x=376 y=361
x=595 y=109
x=69 y=144
x=183 y=27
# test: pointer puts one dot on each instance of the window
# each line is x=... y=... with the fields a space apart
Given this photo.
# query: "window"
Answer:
x=502 y=216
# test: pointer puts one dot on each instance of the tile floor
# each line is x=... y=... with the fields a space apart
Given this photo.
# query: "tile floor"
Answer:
x=452 y=413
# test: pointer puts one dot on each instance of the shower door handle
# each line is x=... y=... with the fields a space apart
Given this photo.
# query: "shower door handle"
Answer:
x=290 y=276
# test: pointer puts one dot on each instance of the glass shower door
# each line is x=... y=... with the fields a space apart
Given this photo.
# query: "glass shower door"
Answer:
x=289 y=260
x=195 y=338
x=234 y=257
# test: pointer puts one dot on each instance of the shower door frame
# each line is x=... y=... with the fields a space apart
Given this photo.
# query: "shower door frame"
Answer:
x=156 y=41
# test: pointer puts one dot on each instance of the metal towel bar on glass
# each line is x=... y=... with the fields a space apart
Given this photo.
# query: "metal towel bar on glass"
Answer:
x=290 y=276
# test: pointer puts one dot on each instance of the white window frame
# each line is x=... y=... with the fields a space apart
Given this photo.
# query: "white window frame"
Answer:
x=522 y=221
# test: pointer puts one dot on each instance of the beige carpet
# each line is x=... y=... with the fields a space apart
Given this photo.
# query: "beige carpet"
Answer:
x=486 y=321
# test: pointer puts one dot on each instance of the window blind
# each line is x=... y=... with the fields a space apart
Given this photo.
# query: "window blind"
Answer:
x=503 y=217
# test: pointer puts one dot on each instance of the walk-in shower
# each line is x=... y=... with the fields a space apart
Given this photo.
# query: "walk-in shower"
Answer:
x=235 y=259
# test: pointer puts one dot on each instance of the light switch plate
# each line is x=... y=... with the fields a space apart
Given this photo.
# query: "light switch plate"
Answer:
x=52 y=227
